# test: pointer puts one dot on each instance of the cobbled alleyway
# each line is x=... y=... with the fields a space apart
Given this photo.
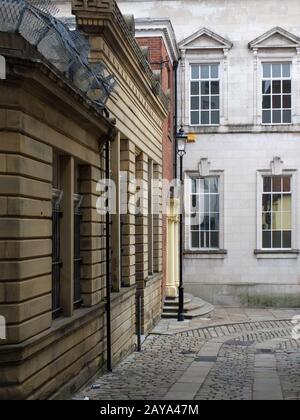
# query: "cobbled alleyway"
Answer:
x=240 y=354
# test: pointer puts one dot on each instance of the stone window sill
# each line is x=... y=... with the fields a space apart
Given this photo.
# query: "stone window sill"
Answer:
x=213 y=254
x=269 y=254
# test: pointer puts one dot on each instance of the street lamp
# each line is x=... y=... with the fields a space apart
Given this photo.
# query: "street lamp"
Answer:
x=181 y=145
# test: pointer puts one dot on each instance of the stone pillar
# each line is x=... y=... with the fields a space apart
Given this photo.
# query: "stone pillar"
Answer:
x=141 y=249
x=173 y=249
x=127 y=166
x=67 y=235
x=92 y=241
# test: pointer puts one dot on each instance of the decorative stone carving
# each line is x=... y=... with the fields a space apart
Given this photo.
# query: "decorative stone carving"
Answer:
x=276 y=166
x=204 y=167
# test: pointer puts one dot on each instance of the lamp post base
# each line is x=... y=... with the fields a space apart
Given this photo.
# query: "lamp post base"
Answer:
x=181 y=304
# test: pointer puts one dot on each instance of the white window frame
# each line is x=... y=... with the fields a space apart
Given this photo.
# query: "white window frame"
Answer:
x=281 y=62
x=260 y=176
x=188 y=192
x=203 y=63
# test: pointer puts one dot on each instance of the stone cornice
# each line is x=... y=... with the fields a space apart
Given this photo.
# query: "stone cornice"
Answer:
x=36 y=69
x=104 y=16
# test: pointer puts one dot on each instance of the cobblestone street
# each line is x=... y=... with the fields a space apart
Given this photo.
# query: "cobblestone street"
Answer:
x=239 y=354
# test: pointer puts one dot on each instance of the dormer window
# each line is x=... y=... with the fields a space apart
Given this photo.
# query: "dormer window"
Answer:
x=276 y=93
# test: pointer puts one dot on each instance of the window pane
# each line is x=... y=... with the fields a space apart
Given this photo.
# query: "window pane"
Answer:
x=276 y=183
x=204 y=88
x=286 y=86
x=267 y=184
x=276 y=70
x=204 y=219
x=276 y=85
x=206 y=203
x=276 y=117
x=266 y=86
x=286 y=183
x=266 y=239
x=287 y=117
x=214 y=239
x=266 y=202
x=266 y=70
x=195 y=88
x=205 y=117
x=286 y=221
x=286 y=70
x=204 y=72
x=276 y=239
x=204 y=102
x=287 y=101
x=214 y=68
x=195 y=239
x=266 y=221
x=276 y=202
x=206 y=185
x=287 y=202
x=266 y=117
x=276 y=220
x=194 y=222
x=195 y=118
x=195 y=72
x=214 y=184
x=214 y=203
x=215 y=117
x=203 y=239
x=215 y=102
x=202 y=186
x=214 y=221
x=215 y=88
x=195 y=102
x=266 y=102
x=276 y=101
x=287 y=239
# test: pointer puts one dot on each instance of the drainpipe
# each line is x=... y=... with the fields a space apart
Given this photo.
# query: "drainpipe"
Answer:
x=108 y=259
x=175 y=69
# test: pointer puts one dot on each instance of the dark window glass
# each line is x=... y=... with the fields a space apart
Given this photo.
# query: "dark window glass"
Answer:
x=215 y=102
x=214 y=71
x=195 y=72
x=286 y=70
x=267 y=117
x=287 y=101
x=204 y=72
x=214 y=240
x=204 y=218
x=266 y=70
x=204 y=102
x=215 y=117
x=286 y=86
x=195 y=118
x=266 y=221
x=287 y=117
x=276 y=85
x=205 y=117
x=214 y=203
x=276 y=202
x=195 y=239
x=195 y=102
x=214 y=185
x=215 y=88
x=286 y=183
x=276 y=117
x=276 y=101
x=266 y=202
x=266 y=239
x=267 y=102
x=276 y=238
x=276 y=184
x=204 y=88
x=276 y=70
x=195 y=88
x=214 y=221
x=267 y=184
x=286 y=239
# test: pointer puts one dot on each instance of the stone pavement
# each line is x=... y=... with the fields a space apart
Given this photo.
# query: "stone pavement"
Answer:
x=239 y=354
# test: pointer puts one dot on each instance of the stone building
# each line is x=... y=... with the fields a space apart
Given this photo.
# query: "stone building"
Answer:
x=53 y=254
x=239 y=95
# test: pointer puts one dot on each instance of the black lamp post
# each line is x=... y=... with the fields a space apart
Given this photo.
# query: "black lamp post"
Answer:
x=181 y=144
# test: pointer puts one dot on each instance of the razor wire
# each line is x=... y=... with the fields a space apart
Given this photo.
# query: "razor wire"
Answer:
x=67 y=50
